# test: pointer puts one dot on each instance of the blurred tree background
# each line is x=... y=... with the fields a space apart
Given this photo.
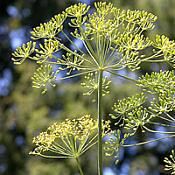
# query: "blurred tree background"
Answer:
x=24 y=112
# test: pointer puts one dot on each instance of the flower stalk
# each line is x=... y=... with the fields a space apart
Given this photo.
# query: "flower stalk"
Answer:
x=79 y=166
x=100 y=147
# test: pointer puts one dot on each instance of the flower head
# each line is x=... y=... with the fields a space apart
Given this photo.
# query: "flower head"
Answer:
x=114 y=142
x=43 y=77
x=170 y=163
x=138 y=117
x=113 y=39
x=45 y=30
x=46 y=50
x=77 y=10
x=127 y=104
x=23 y=52
x=90 y=83
x=157 y=82
x=68 y=139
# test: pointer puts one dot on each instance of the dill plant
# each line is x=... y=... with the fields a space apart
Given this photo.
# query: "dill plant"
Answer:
x=114 y=39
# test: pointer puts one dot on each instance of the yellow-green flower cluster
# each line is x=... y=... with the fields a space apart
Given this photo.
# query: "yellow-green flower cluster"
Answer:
x=164 y=44
x=133 y=42
x=166 y=47
x=90 y=83
x=114 y=142
x=77 y=12
x=142 y=18
x=49 y=29
x=161 y=84
x=70 y=62
x=23 y=52
x=78 y=128
x=46 y=50
x=127 y=104
x=138 y=117
x=170 y=163
x=68 y=139
x=163 y=103
x=135 y=112
x=157 y=82
x=43 y=77
x=100 y=26
x=131 y=112
x=104 y=9
x=113 y=39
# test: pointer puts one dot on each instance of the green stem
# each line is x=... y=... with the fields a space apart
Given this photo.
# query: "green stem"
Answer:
x=76 y=75
x=158 y=54
x=162 y=124
x=73 y=43
x=171 y=118
x=79 y=166
x=123 y=76
x=146 y=142
x=100 y=149
x=155 y=131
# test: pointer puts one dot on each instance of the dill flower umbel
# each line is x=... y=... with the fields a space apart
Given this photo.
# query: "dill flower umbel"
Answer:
x=68 y=139
x=113 y=39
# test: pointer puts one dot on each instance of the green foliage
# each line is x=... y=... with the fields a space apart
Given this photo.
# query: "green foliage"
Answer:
x=36 y=166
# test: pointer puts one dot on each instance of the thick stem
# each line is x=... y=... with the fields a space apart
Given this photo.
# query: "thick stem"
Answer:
x=100 y=148
x=79 y=166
